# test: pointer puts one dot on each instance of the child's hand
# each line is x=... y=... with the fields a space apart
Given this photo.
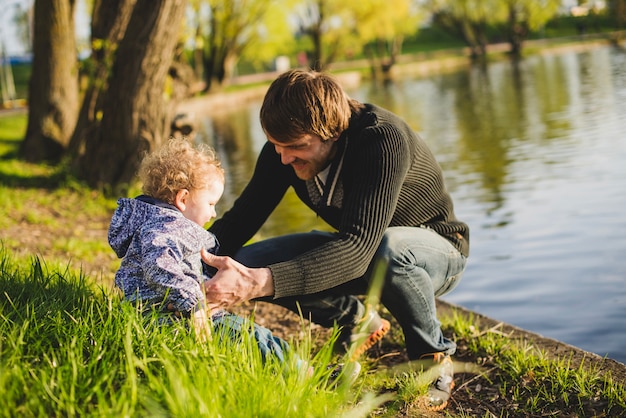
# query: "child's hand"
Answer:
x=201 y=325
x=170 y=307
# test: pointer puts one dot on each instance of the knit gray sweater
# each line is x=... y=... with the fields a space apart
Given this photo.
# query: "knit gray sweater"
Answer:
x=384 y=175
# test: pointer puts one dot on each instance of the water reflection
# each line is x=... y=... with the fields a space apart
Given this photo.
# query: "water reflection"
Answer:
x=534 y=156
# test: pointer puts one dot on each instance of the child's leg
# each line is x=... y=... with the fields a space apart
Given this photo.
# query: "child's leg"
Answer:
x=232 y=326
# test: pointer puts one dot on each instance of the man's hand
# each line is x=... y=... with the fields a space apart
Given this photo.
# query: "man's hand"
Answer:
x=235 y=283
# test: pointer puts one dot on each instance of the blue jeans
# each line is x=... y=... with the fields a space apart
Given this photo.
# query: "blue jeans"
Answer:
x=420 y=265
x=229 y=325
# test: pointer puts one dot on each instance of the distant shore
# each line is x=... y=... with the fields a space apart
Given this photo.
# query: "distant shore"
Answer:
x=350 y=73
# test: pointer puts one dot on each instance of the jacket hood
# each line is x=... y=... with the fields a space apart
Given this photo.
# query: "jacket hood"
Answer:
x=130 y=216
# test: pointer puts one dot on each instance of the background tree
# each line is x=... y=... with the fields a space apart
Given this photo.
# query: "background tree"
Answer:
x=468 y=20
x=382 y=26
x=273 y=38
x=526 y=16
x=232 y=27
x=471 y=20
x=109 y=20
x=617 y=9
x=195 y=27
x=330 y=26
x=22 y=19
x=53 y=90
x=135 y=113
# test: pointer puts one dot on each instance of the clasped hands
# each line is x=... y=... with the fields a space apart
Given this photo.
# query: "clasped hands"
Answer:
x=234 y=283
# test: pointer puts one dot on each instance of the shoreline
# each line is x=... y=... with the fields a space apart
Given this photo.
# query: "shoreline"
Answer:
x=350 y=74
x=553 y=349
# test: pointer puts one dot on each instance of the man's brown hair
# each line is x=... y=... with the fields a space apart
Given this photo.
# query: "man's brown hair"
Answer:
x=303 y=102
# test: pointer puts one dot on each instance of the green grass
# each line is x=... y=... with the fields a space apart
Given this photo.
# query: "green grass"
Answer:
x=533 y=381
x=70 y=347
x=21 y=76
x=49 y=209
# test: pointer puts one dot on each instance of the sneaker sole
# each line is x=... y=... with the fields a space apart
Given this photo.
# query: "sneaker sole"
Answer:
x=437 y=408
x=374 y=337
x=439 y=358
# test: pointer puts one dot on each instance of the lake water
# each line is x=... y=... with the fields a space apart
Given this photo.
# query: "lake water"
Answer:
x=535 y=158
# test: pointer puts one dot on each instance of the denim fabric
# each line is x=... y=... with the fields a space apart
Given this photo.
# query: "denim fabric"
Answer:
x=228 y=325
x=420 y=265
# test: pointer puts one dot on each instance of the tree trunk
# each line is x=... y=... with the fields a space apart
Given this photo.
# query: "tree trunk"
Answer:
x=53 y=88
x=316 y=60
x=108 y=25
x=210 y=57
x=198 y=52
x=135 y=115
x=618 y=10
x=517 y=32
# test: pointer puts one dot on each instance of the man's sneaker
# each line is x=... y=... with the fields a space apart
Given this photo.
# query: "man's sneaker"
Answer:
x=344 y=374
x=357 y=340
x=440 y=390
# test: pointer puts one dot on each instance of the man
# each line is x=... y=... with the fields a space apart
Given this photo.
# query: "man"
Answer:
x=367 y=174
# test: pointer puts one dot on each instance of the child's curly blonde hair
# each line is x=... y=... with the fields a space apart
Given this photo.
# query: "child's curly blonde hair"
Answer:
x=179 y=165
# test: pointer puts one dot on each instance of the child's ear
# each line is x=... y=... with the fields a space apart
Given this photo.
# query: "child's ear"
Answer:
x=180 y=201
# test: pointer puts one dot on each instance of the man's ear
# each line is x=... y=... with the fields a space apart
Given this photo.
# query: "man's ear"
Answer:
x=180 y=201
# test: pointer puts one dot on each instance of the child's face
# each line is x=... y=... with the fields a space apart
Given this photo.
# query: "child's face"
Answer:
x=199 y=205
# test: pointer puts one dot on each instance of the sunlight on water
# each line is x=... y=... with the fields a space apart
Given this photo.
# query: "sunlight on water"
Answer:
x=548 y=225
x=535 y=158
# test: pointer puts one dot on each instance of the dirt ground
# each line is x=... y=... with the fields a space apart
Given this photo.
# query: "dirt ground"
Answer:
x=475 y=394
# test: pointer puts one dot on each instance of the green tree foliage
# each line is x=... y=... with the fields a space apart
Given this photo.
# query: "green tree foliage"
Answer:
x=525 y=16
x=273 y=38
x=330 y=27
x=382 y=26
x=227 y=29
x=470 y=20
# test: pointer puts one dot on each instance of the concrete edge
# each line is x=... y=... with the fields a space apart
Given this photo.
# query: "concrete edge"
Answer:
x=552 y=348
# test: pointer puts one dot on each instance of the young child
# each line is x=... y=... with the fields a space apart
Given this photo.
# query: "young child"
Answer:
x=159 y=236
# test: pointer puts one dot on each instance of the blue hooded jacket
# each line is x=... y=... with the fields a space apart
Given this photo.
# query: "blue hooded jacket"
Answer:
x=160 y=250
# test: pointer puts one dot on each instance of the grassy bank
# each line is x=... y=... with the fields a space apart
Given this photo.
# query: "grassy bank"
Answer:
x=70 y=350
x=46 y=212
x=69 y=347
